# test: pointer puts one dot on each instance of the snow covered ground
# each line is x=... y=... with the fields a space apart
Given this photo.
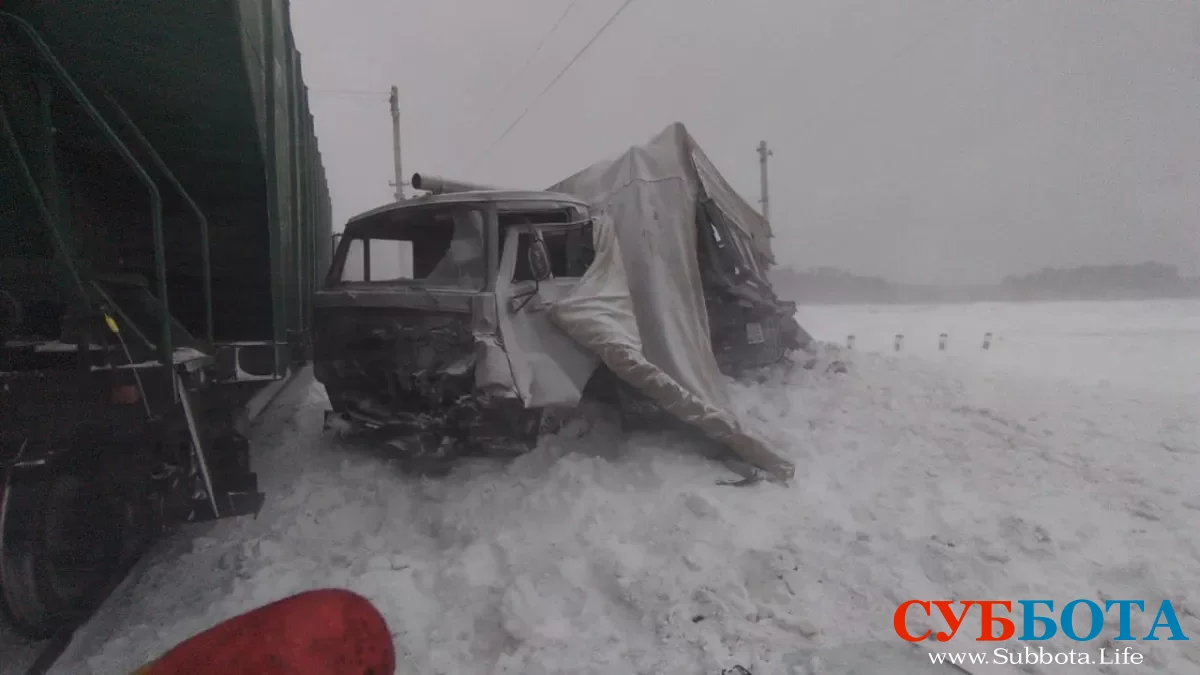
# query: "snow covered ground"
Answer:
x=1134 y=345
x=1063 y=463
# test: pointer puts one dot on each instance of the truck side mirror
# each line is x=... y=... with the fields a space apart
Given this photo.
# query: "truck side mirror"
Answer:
x=539 y=258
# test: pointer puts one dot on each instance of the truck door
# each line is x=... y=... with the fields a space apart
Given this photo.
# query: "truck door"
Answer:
x=549 y=368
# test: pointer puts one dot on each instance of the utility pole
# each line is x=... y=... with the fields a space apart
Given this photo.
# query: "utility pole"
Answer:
x=763 y=154
x=399 y=182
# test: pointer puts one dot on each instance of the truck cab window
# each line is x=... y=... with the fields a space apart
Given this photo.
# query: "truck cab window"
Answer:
x=571 y=252
x=390 y=260
x=439 y=249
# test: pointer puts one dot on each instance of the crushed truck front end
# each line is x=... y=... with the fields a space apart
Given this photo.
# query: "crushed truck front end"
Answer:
x=417 y=337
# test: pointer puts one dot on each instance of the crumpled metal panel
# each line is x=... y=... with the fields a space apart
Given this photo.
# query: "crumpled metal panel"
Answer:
x=493 y=368
x=493 y=372
x=437 y=382
x=406 y=360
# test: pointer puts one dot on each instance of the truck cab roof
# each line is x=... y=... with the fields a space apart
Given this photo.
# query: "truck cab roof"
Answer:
x=516 y=198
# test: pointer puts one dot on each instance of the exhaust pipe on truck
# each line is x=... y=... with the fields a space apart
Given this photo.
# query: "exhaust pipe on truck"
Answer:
x=436 y=185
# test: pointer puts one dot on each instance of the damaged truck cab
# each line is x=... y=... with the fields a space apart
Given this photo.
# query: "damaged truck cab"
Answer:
x=431 y=328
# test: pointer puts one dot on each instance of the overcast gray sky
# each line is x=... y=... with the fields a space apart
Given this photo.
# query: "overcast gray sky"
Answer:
x=937 y=141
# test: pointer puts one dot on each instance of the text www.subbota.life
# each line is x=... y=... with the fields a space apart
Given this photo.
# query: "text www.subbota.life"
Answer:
x=1040 y=656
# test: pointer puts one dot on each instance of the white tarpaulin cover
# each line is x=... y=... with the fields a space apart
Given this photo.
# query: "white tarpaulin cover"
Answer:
x=640 y=307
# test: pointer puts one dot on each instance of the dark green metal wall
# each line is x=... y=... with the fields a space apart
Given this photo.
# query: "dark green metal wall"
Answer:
x=217 y=89
x=301 y=213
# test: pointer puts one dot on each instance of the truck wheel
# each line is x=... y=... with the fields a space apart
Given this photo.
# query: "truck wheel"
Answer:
x=62 y=542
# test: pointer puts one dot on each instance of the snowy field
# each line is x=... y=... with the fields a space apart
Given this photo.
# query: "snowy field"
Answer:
x=1062 y=463
x=1151 y=345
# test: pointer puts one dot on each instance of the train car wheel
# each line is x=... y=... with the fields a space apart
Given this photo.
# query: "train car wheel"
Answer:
x=62 y=543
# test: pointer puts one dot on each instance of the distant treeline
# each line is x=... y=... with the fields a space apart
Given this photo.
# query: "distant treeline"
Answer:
x=1090 y=282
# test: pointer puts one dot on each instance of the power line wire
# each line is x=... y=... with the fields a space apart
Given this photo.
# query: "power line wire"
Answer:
x=350 y=93
x=371 y=92
x=550 y=86
x=507 y=88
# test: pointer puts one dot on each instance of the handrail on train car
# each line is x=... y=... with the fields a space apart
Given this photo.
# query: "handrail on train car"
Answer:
x=39 y=201
x=165 y=349
x=205 y=250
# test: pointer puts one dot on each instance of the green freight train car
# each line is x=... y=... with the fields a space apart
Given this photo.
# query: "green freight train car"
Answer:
x=164 y=217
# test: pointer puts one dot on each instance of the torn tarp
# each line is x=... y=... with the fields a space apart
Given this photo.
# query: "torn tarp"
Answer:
x=657 y=339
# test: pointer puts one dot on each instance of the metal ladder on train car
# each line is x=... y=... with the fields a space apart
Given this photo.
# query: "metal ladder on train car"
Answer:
x=165 y=342
x=88 y=295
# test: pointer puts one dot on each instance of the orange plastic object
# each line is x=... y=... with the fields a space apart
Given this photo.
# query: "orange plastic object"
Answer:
x=324 y=632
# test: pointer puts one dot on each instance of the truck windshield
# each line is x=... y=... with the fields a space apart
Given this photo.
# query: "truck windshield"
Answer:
x=442 y=249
